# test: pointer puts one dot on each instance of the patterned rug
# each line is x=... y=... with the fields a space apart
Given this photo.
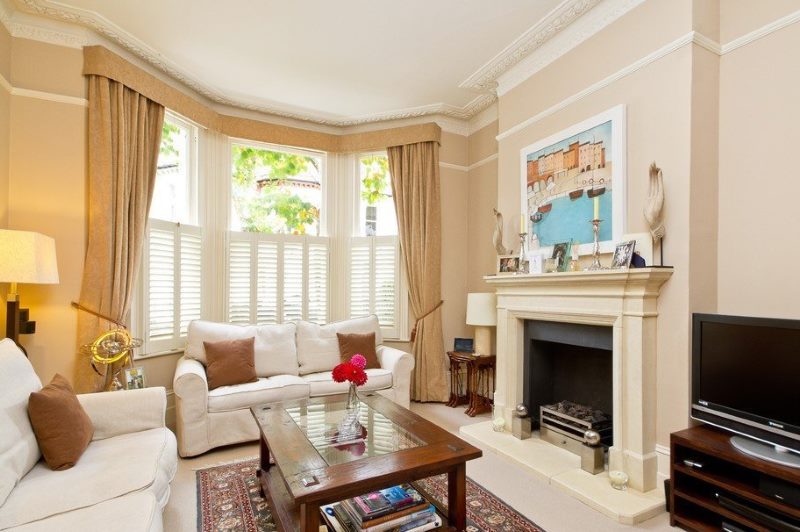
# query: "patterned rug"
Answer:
x=228 y=499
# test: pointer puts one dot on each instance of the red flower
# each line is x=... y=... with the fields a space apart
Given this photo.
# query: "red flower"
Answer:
x=347 y=371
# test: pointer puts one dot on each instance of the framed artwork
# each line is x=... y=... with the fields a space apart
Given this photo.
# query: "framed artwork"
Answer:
x=572 y=176
x=508 y=264
x=561 y=255
x=134 y=378
x=623 y=254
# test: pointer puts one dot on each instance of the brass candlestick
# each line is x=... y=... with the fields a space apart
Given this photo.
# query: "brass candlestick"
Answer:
x=596 y=249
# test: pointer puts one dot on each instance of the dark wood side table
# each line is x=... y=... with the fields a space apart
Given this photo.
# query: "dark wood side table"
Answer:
x=480 y=384
x=459 y=384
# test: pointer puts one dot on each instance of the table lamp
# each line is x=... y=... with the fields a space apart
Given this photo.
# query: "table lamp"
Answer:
x=25 y=257
x=482 y=313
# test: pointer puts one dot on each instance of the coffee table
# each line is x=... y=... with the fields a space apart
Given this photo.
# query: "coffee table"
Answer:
x=308 y=469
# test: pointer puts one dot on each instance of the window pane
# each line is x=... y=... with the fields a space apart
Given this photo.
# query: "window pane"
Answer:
x=377 y=206
x=275 y=192
x=171 y=195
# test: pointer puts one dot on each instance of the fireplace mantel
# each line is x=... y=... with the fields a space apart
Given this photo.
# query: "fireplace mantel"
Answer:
x=626 y=300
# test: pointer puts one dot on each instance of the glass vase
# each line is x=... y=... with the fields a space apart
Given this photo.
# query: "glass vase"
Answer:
x=350 y=428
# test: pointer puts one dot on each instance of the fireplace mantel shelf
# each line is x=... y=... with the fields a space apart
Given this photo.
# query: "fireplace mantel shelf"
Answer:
x=605 y=277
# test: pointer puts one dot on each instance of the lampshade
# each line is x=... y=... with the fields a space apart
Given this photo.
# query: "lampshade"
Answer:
x=482 y=309
x=27 y=257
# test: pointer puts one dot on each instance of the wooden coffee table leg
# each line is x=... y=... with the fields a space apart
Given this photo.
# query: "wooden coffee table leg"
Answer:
x=263 y=463
x=309 y=517
x=457 y=497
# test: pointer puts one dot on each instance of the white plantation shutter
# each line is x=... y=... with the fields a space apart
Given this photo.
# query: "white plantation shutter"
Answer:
x=374 y=281
x=277 y=278
x=173 y=295
x=317 y=280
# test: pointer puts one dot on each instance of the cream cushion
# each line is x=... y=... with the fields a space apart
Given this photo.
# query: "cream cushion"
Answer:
x=318 y=345
x=323 y=384
x=19 y=451
x=138 y=512
x=275 y=351
x=109 y=468
x=264 y=390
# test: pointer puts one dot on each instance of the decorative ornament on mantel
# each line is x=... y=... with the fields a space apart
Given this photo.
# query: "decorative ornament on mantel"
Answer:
x=654 y=208
x=497 y=237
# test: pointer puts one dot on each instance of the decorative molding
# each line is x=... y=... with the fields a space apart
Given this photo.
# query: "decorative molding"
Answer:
x=483 y=119
x=50 y=97
x=662 y=449
x=763 y=31
x=473 y=166
x=451 y=166
x=565 y=41
x=6 y=85
x=628 y=70
x=485 y=78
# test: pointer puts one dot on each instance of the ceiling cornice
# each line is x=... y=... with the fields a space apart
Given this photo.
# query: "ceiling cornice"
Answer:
x=484 y=81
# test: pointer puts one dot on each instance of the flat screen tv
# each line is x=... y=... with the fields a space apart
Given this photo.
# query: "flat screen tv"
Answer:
x=746 y=379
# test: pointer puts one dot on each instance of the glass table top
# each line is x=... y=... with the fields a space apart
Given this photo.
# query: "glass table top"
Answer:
x=378 y=435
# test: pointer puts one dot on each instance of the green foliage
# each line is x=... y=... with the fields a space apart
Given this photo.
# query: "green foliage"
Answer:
x=168 y=133
x=376 y=178
x=262 y=199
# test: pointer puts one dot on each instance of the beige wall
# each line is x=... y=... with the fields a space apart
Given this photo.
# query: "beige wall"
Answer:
x=758 y=209
x=658 y=100
x=482 y=199
x=5 y=112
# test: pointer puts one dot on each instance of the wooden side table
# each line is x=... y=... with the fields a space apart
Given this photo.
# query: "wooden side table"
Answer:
x=480 y=384
x=459 y=385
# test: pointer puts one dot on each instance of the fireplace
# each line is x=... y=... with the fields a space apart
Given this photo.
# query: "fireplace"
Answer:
x=589 y=338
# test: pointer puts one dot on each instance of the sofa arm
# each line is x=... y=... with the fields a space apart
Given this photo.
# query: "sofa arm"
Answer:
x=125 y=411
x=191 y=387
x=401 y=364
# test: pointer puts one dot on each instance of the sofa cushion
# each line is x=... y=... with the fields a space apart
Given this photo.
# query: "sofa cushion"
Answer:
x=358 y=344
x=63 y=429
x=265 y=390
x=275 y=351
x=18 y=449
x=318 y=346
x=323 y=384
x=109 y=468
x=230 y=362
x=137 y=512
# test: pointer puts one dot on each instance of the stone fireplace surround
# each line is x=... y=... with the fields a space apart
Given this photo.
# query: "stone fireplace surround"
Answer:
x=627 y=301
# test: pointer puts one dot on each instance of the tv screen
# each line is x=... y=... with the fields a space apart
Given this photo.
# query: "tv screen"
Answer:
x=746 y=372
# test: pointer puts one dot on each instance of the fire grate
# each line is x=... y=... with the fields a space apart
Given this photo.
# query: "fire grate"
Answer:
x=572 y=420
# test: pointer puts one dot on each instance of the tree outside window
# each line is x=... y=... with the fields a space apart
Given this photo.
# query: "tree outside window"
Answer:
x=275 y=192
x=378 y=217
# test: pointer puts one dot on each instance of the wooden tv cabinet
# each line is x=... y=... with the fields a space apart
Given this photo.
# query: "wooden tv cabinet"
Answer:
x=725 y=471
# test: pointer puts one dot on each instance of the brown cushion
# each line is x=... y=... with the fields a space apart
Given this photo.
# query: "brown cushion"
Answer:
x=62 y=428
x=361 y=344
x=230 y=362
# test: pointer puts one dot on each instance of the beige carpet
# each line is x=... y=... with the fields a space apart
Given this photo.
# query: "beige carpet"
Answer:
x=549 y=508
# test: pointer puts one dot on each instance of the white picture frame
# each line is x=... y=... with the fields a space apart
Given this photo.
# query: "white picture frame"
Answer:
x=618 y=175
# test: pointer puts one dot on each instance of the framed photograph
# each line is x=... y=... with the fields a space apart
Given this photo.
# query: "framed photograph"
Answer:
x=464 y=345
x=623 y=254
x=561 y=255
x=134 y=378
x=507 y=264
x=572 y=176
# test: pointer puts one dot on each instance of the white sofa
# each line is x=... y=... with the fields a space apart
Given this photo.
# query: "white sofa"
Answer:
x=292 y=360
x=121 y=482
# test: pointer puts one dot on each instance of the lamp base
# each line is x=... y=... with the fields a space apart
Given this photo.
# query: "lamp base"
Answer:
x=483 y=341
x=17 y=321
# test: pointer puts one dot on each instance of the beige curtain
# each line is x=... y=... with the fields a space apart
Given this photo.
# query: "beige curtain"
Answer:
x=415 y=187
x=124 y=138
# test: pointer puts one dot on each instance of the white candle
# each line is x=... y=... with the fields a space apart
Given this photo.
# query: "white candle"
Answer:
x=618 y=479
x=523 y=224
x=596 y=208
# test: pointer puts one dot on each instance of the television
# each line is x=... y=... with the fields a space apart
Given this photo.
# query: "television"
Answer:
x=746 y=379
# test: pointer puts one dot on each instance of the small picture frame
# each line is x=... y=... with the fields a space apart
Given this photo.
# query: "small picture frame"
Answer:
x=623 y=254
x=561 y=255
x=134 y=378
x=508 y=264
x=463 y=345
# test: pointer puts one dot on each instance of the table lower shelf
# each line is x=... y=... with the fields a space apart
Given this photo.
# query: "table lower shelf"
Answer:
x=286 y=513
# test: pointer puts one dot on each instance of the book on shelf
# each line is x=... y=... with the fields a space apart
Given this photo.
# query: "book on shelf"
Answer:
x=397 y=509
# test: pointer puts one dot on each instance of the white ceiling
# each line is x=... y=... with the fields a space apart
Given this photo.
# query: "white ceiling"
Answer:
x=332 y=62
